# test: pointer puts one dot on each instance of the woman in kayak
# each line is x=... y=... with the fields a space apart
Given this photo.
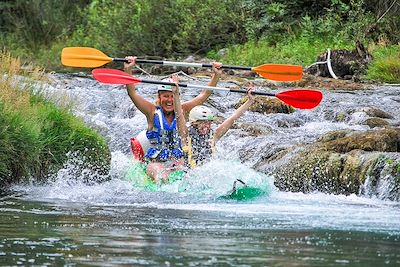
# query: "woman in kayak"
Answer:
x=165 y=154
x=199 y=139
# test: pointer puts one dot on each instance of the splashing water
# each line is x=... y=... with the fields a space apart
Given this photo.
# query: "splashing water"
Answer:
x=67 y=222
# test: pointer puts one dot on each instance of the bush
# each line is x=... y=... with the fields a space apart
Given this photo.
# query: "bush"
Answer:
x=159 y=27
x=35 y=135
x=40 y=22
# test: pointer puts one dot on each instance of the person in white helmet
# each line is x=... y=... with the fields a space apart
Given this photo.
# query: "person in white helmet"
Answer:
x=199 y=139
x=165 y=154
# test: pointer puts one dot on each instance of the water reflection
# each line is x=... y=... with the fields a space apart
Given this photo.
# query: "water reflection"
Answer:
x=180 y=234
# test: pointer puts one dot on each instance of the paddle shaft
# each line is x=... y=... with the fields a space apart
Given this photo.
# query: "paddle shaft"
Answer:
x=305 y=99
x=182 y=64
x=205 y=87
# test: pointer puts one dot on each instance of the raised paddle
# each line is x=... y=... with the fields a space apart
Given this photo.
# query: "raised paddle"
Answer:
x=304 y=99
x=92 y=58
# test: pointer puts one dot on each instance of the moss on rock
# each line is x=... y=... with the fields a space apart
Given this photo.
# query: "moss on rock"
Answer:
x=341 y=163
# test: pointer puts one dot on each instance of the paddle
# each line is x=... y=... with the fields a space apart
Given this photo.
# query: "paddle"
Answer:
x=93 y=58
x=304 y=99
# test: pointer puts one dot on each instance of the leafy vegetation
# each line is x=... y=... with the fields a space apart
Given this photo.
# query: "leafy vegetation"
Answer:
x=36 y=135
x=386 y=65
x=252 y=30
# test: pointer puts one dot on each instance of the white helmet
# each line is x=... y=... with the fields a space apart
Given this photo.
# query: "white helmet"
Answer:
x=167 y=88
x=201 y=113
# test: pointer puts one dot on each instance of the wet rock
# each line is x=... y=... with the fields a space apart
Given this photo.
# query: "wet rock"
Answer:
x=376 y=122
x=253 y=129
x=385 y=140
x=266 y=105
x=375 y=112
x=341 y=162
x=313 y=82
x=371 y=116
x=345 y=64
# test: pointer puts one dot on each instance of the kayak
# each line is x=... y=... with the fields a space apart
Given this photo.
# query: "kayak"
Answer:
x=137 y=171
x=244 y=193
x=137 y=175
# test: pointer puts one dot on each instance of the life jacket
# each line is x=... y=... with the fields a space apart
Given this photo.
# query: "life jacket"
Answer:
x=200 y=148
x=164 y=138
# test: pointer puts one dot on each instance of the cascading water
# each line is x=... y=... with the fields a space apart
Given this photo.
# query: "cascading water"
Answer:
x=67 y=222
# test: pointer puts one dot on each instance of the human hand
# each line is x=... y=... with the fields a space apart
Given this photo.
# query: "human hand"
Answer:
x=216 y=67
x=128 y=66
x=175 y=79
x=250 y=88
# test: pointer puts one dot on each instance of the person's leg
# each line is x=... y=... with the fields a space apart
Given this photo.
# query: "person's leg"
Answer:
x=157 y=171
x=161 y=170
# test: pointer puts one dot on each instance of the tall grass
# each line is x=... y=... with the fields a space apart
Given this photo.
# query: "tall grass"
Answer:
x=385 y=66
x=295 y=50
x=35 y=134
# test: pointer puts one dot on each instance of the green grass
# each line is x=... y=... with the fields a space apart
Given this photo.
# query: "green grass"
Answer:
x=296 y=50
x=36 y=135
x=304 y=51
x=385 y=66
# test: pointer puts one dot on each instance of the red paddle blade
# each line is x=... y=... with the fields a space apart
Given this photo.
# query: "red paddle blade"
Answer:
x=304 y=99
x=114 y=76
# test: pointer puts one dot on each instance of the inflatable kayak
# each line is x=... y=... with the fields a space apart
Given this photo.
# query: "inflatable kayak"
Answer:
x=243 y=193
x=137 y=171
x=137 y=175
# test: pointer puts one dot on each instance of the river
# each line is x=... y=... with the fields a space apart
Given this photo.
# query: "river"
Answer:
x=67 y=222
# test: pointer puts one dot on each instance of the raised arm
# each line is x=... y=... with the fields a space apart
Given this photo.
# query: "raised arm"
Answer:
x=202 y=97
x=180 y=117
x=145 y=106
x=227 y=124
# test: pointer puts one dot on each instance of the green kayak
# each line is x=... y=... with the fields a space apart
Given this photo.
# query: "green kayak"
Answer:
x=137 y=175
x=239 y=192
x=243 y=193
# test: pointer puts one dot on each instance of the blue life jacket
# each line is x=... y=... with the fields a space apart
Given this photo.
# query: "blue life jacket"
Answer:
x=164 y=139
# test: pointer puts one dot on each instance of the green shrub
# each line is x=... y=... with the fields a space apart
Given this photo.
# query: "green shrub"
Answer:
x=159 y=27
x=40 y=22
x=36 y=135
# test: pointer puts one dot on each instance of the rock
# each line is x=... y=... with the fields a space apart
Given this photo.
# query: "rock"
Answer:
x=342 y=161
x=267 y=105
x=311 y=81
x=376 y=122
x=222 y=52
x=375 y=112
x=385 y=140
x=253 y=129
x=345 y=64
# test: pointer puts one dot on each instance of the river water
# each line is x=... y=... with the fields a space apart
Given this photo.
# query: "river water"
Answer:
x=67 y=222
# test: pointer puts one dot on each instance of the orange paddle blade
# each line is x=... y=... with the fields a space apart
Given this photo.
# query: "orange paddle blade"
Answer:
x=86 y=57
x=280 y=72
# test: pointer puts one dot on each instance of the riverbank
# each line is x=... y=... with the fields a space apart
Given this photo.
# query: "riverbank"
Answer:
x=370 y=119
x=39 y=134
